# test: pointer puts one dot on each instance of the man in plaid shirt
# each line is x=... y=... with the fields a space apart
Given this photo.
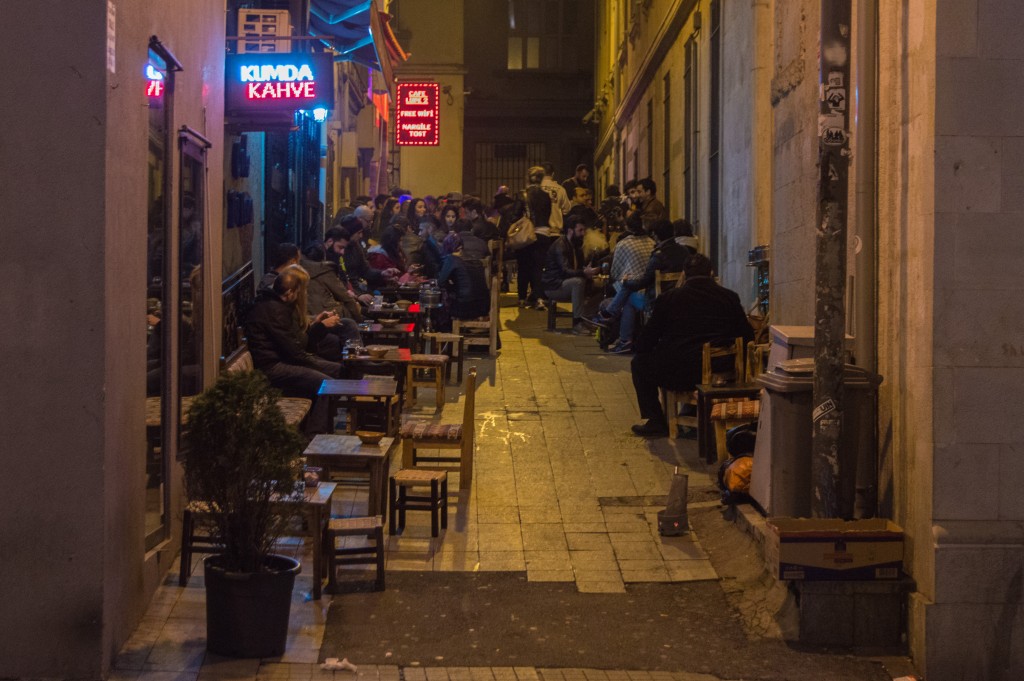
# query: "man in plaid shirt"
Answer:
x=629 y=260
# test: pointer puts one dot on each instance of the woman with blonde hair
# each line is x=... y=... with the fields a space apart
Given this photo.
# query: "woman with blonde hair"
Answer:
x=279 y=332
x=325 y=330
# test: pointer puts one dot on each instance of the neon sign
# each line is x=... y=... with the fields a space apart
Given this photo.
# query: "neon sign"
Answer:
x=278 y=84
x=154 y=82
x=418 y=115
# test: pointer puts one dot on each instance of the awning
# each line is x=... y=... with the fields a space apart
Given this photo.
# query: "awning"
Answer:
x=362 y=34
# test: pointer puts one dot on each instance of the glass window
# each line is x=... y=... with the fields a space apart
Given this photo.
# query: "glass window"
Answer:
x=515 y=53
x=539 y=33
x=191 y=232
x=533 y=53
x=159 y=92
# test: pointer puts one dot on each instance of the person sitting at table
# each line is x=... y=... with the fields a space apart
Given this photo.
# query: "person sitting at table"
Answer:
x=411 y=243
x=285 y=255
x=431 y=251
x=473 y=247
x=322 y=289
x=387 y=255
x=279 y=334
x=449 y=216
x=464 y=280
x=566 y=274
x=670 y=347
x=354 y=263
x=482 y=228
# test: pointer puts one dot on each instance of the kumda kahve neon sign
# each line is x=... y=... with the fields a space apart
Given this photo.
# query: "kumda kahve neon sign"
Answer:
x=278 y=83
x=418 y=115
x=282 y=81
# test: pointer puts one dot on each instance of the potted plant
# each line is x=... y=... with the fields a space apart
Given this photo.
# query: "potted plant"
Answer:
x=241 y=459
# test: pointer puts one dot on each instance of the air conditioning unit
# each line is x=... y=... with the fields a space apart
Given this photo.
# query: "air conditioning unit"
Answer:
x=264 y=23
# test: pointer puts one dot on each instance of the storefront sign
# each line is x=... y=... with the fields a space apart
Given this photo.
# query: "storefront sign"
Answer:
x=278 y=83
x=154 y=82
x=418 y=115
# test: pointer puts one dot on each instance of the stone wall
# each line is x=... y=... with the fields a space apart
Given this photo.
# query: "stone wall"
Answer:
x=978 y=369
x=746 y=142
x=794 y=91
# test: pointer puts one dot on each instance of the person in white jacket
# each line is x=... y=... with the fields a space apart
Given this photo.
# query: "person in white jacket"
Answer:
x=560 y=204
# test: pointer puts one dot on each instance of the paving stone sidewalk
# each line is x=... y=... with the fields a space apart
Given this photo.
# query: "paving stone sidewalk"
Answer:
x=562 y=490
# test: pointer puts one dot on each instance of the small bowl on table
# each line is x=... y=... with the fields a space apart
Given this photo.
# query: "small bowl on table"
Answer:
x=377 y=351
x=369 y=437
x=388 y=322
x=403 y=305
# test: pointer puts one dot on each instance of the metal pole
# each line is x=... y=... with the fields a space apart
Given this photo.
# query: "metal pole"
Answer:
x=830 y=259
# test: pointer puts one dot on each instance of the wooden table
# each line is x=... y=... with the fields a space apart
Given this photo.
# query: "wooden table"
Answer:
x=706 y=395
x=316 y=507
x=403 y=333
x=348 y=453
x=344 y=392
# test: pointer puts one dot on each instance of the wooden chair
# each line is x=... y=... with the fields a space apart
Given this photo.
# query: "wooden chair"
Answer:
x=554 y=313
x=419 y=434
x=727 y=414
x=663 y=281
x=672 y=400
x=196 y=537
x=483 y=331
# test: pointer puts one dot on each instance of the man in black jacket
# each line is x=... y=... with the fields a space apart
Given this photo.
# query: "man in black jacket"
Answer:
x=565 y=276
x=668 y=352
x=279 y=346
x=342 y=246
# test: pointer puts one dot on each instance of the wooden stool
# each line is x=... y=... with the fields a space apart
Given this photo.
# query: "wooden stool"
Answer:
x=192 y=538
x=370 y=526
x=554 y=313
x=425 y=365
x=456 y=350
x=734 y=412
x=671 y=401
x=399 y=501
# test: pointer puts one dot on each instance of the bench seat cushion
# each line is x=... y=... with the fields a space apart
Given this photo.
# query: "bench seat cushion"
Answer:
x=426 y=430
x=734 y=411
x=294 y=409
x=428 y=360
x=153 y=405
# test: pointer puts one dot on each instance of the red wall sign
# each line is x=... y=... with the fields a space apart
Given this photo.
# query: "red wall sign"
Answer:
x=418 y=115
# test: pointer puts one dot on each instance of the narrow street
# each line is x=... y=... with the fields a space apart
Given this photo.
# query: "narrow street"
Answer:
x=551 y=568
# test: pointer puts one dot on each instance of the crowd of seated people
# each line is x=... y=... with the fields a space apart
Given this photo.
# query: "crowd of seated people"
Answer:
x=398 y=240
x=310 y=302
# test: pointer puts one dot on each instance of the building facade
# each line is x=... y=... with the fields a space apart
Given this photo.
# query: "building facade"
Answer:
x=529 y=79
x=136 y=214
x=433 y=33
x=718 y=102
x=111 y=196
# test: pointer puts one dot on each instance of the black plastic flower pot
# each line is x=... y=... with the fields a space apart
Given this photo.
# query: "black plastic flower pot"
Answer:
x=247 y=613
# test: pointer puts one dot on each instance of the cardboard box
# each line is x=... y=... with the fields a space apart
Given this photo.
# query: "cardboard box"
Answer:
x=820 y=549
